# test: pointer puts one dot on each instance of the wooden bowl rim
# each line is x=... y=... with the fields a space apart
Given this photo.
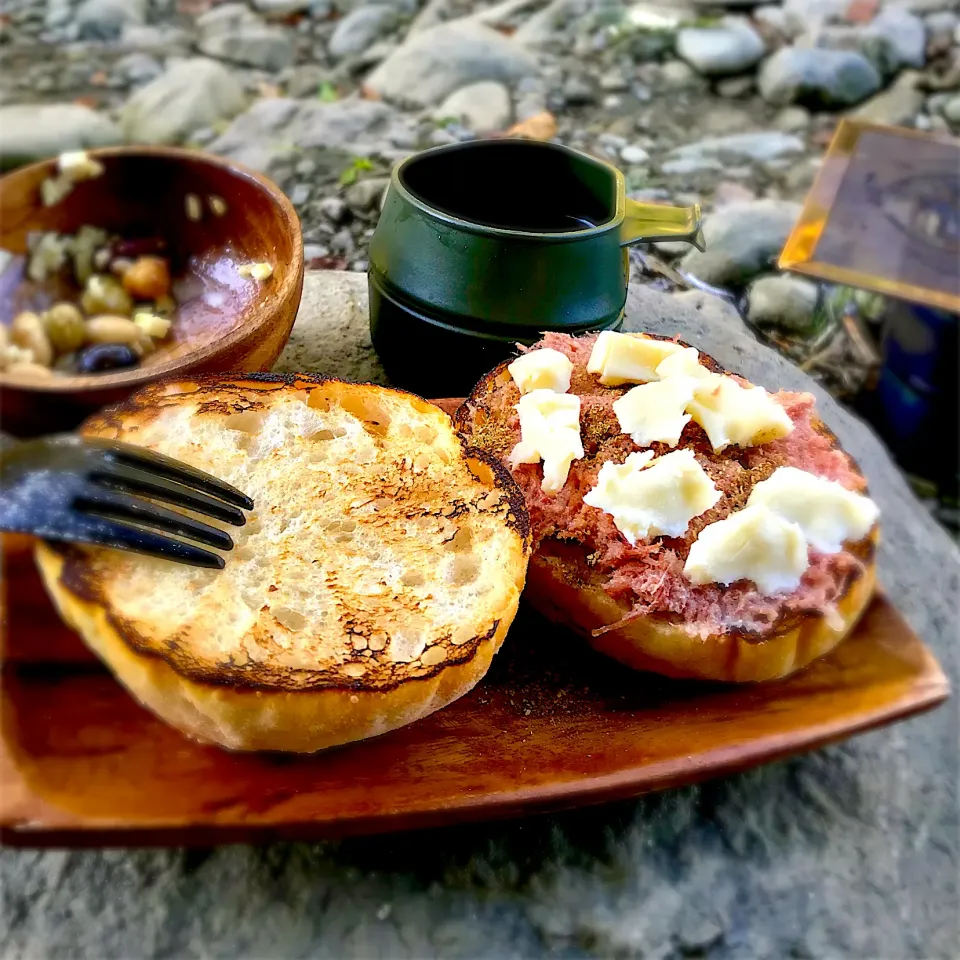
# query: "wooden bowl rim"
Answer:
x=250 y=325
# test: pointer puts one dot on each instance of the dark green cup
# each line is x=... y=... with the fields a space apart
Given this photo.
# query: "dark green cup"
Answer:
x=485 y=244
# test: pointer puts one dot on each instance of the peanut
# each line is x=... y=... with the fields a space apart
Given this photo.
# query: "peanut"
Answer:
x=27 y=331
x=109 y=329
x=24 y=370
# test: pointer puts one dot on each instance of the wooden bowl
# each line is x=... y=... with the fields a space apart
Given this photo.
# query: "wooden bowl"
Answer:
x=223 y=321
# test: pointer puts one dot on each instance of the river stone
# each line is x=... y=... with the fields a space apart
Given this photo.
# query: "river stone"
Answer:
x=360 y=28
x=851 y=851
x=35 y=131
x=831 y=78
x=897 y=106
x=234 y=32
x=782 y=301
x=730 y=47
x=760 y=146
x=743 y=240
x=276 y=128
x=435 y=62
x=191 y=94
x=104 y=19
x=482 y=107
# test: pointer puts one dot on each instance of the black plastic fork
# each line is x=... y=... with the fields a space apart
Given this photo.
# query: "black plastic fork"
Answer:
x=109 y=493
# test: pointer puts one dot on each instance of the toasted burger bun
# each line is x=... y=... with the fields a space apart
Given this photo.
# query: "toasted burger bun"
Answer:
x=374 y=581
x=564 y=585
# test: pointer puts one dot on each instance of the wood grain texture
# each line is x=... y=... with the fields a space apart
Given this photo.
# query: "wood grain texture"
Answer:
x=223 y=323
x=552 y=725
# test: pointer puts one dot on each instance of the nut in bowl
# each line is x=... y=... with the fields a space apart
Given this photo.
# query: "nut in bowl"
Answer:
x=124 y=265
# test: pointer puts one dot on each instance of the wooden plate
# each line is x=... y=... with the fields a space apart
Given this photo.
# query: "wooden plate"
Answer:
x=552 y=725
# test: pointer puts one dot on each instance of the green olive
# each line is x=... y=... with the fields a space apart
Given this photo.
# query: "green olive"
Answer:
x=64 y=325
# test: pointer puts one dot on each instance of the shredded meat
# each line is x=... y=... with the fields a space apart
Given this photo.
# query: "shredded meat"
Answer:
x=648 y=578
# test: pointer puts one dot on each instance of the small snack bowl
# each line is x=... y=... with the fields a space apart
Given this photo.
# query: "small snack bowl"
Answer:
x=202 y=255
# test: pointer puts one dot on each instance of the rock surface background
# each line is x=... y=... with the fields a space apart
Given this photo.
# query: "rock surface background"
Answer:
x=729 y=103
x=848 y=852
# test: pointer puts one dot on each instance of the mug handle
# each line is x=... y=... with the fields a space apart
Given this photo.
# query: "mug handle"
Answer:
x=648 y=222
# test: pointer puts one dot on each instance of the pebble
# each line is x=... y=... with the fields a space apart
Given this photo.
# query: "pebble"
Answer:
x=634 y=155
x=138 y=67
x=191 y=94
x=578 y=90
x=360 y=28
x=433 y=63
x=735 y=88
x=300 y=194
x=333 y=208
x=731 y=47
x=676 y=73
x=366 y=194
x=782 y=301
x=951 y=110
x=831 y=78
x=483 y=107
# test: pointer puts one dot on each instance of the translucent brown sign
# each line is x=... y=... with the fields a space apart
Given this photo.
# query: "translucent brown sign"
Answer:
x=884 y=215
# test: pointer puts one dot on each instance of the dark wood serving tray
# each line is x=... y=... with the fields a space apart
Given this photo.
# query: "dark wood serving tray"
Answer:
x=552 y=725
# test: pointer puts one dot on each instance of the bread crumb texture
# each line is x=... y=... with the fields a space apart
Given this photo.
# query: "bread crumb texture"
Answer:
x=379 y=548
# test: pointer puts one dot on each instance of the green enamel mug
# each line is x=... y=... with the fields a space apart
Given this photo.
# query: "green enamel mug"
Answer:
x=487 y=244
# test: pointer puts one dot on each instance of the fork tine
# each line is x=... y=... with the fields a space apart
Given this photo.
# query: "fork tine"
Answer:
x=164 y=466
x=121 y=506
x=126 y=479
x=121 y=536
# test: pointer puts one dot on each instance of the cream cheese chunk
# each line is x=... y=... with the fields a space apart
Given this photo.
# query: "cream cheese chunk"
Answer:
x=731 y=414
x=828 y=513
x=549 y=431
x=544 y=369
x=650 y=497
x=684 y=363
x=751 y=544
x=623 y=358
x=654 y=412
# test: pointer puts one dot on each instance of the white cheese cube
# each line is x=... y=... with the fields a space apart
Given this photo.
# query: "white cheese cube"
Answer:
x=826 y=511
x=751 y=544
x=684 y=363
x=549 y=431
x=544 y=369
x=626 y=358
x=731 y=414
x=654 y=411
x=651 y=497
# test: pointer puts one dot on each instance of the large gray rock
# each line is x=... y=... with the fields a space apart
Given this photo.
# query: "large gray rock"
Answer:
x=482 y=107
x=851 y=851
x=730 y=47
x=275 y=128
x=189 y=95
x=33 y=132
x=435 y=62
x=104 y=19
x=360 y=28
x=743 y=240
x=831 y=78
x=234 y=32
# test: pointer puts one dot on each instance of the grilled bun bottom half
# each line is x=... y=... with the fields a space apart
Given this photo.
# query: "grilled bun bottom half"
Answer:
x=579 y=573
x=372 y=584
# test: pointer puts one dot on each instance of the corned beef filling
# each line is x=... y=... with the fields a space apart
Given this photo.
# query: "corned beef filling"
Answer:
x=648 y=578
